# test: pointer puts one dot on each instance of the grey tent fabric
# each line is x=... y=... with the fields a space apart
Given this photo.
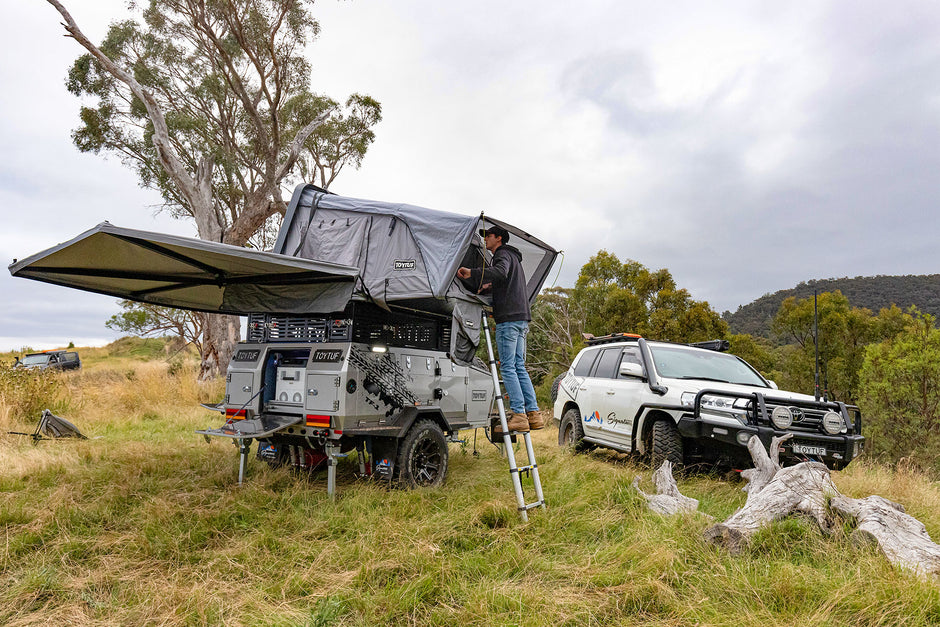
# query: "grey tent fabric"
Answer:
x=404 y=252
x=465 y=331
x=189 y=273
x=330 y=250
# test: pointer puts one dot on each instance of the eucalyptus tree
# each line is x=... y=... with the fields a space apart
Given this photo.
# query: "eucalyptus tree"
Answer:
x=210 y=102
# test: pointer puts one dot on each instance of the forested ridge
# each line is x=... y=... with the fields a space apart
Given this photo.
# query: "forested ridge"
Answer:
x=874 y=293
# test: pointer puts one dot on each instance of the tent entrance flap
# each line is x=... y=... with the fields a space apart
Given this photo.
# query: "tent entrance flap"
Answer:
x=188 y=273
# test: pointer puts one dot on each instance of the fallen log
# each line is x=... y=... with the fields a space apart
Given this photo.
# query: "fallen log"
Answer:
x=668 y=500
x=902 y=538
x=774 y=492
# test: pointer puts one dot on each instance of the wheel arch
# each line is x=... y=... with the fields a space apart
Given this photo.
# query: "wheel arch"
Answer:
x=411 y=415
x=568 y=406
x=644 y=429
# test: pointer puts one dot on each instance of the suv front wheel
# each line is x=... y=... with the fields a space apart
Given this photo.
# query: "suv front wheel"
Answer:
x=667 y=444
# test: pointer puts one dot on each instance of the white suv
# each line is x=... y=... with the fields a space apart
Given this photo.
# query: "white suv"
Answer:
x=693 y=403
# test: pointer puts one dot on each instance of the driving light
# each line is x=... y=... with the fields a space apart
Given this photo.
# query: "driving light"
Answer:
x=832 y=422
x=782 y=417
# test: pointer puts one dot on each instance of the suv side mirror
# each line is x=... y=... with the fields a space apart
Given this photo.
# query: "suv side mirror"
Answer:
x=772 y=384
x=630 y=369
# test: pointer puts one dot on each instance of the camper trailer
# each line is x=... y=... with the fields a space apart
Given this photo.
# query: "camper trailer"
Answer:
x=359 y=335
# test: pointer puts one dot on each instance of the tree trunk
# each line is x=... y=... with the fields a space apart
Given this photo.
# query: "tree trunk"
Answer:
x=220 y=335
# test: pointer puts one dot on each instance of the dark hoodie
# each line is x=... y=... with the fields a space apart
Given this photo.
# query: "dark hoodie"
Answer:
x=510 y=303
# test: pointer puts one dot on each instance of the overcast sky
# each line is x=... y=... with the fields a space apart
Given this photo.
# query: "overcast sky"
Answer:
x=745 y=146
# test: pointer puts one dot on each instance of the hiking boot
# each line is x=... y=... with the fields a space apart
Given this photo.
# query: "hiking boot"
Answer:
x=516 y=422
x=535 y=420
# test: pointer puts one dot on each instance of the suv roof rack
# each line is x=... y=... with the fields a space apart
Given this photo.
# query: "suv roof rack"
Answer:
x=590 y=340
x=713 y=345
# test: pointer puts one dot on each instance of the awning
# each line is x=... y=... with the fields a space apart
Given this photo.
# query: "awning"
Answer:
x=189 y=273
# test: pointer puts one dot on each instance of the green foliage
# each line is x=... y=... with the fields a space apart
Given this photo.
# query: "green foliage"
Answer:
x=628 y=297
x=141 y=348
x=874 y=293
x=146 y=319
x=901 y=394
x=844 y=333
x=233 y=82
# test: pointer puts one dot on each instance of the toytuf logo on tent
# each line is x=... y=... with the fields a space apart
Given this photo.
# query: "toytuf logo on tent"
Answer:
x=404 y=264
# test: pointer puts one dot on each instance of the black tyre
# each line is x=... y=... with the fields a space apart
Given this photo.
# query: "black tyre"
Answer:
x=667 y=444
x=570 y=431
x=555 y=385
x=422 y=457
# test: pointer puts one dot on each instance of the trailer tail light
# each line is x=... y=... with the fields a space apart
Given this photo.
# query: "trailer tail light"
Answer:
x=316 y=420
x=236 y=414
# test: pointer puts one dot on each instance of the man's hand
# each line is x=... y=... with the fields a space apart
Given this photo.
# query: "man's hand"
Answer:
x=463 y=273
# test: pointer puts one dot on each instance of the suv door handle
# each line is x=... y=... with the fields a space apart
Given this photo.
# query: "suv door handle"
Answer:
x=610 y=392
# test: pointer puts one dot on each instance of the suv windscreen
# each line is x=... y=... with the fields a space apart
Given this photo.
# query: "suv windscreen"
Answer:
x=35 y=360
x=679 y=363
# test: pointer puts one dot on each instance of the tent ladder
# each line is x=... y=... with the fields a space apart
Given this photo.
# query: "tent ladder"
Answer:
x=514 y=470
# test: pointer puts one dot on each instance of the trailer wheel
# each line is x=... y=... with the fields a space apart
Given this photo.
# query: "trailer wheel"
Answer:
x=422 y=457
x=571 y=432
x=667 y=444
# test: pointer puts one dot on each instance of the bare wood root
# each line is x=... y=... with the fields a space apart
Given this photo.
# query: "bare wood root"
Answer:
x=804 y=488
x=667 y=501
x=902 y=538
x=807 y=488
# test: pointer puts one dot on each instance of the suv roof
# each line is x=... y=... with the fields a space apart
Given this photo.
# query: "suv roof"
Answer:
x=713 y=345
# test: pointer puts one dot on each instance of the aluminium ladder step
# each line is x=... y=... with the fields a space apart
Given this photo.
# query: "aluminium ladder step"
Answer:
x=531 y=468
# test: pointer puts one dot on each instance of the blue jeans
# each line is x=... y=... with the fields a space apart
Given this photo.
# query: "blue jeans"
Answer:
x=510 y=342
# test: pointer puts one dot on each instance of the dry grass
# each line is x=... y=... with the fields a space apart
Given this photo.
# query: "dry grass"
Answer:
x=145 y=525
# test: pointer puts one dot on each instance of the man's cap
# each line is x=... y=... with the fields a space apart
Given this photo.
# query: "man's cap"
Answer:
x=497 y=231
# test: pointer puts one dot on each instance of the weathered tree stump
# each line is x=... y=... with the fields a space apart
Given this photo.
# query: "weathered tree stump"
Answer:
x=807 y=488
x=901 y=537
x=668 y=500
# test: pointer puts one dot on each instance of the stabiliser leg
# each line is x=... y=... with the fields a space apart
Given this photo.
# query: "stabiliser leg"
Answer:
x=507 y=441
x=244 y=446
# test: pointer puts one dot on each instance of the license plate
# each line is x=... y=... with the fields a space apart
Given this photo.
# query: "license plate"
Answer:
x=802 y=449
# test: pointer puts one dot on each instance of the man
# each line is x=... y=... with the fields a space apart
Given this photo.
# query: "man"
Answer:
x=506 y=282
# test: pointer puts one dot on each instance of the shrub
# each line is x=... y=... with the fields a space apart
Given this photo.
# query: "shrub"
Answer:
x=24 y=392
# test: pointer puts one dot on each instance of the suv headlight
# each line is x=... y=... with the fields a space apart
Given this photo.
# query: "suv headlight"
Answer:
x=832 y=423
x=725 y=406
x=782 y=417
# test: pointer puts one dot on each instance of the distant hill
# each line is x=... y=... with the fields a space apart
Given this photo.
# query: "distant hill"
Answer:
x=874 y=292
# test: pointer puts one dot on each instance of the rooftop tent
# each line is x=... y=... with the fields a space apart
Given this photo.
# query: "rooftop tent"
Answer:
x=406 y=254
x=189 y=273
x=330 y=250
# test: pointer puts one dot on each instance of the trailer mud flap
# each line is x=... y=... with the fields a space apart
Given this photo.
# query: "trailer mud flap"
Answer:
x=254 y=428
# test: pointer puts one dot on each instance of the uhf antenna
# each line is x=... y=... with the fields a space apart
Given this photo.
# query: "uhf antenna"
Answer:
x=816 y=340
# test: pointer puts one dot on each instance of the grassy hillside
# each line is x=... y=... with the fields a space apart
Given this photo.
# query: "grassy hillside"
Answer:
x=873 y=293
x=145 y=524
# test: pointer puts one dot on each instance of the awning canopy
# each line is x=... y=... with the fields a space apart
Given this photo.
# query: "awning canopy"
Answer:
x=189 y=273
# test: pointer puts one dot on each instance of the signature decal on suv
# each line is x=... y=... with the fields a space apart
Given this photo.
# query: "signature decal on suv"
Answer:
x=612 y=419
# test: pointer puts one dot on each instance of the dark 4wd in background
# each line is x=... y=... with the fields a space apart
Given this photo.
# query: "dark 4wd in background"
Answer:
x=56 y=360
x=693 y=403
